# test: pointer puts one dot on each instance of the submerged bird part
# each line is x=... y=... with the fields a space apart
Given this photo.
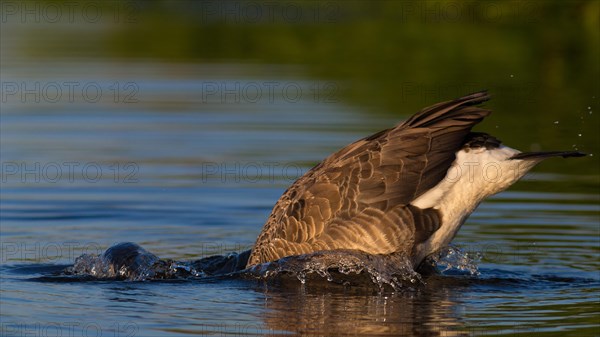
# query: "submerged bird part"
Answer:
x=405 y=190
x=128 y=261
x=123 y=261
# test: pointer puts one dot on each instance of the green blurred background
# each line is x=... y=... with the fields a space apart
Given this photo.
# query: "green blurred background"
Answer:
x=539 y=59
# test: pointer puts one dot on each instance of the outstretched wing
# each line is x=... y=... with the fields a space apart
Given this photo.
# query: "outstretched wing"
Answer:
x=359 y=197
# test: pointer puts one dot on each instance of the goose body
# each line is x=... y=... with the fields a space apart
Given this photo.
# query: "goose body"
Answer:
x=407 y=189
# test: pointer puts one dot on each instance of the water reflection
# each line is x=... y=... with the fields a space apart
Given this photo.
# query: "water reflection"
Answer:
x=429 y=311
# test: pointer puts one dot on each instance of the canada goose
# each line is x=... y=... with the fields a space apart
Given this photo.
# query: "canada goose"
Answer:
x=407 y=189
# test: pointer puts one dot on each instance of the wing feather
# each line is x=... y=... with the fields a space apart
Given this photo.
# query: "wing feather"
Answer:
x=359 y=197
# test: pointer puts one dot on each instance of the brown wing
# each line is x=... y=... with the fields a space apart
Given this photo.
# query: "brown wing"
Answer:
x=359 y=197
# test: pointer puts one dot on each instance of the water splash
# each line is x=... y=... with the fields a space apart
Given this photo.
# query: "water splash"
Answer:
x=128 y=261
x=344 y=267
x=452 y=259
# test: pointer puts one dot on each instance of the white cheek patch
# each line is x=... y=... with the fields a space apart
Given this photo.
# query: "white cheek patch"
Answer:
x=472 y=175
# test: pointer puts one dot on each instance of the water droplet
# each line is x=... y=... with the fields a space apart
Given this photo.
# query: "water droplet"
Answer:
x=589 y=108
x=579 y=134
x=591 y=154
x=511 y=75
